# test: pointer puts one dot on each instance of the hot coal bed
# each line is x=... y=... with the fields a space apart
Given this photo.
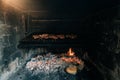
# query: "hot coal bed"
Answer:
x=56 y=57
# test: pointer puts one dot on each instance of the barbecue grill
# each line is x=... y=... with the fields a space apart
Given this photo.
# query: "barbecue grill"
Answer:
x=60 y=30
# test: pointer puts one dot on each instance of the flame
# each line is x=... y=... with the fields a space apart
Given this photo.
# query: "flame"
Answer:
x=70 y=52
x=72 y=57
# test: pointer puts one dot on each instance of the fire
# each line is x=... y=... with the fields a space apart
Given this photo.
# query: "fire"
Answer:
x=71 y=58
x=70 y=52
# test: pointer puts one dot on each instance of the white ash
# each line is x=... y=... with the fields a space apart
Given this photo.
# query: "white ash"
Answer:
x=46 y=64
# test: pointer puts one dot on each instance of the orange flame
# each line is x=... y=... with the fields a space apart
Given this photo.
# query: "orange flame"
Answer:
x=71 y=57
x=70 y=52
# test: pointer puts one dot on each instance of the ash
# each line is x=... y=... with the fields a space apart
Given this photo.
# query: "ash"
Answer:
x=48 y=67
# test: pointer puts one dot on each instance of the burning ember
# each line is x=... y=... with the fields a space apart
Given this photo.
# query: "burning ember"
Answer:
x=50 y=63
x=71 y=58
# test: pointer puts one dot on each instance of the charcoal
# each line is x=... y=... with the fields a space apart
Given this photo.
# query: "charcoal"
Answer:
x=48 y=67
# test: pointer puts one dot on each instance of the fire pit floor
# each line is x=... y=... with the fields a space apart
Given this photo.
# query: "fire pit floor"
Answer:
x=52 y=67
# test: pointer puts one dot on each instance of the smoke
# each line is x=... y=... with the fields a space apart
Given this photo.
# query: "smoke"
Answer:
x=14 y=66
x=7 y=72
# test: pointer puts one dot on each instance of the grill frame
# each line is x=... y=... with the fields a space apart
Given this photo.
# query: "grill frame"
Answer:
x=80 y=41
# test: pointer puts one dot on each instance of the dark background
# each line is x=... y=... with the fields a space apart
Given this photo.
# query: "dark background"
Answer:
x=79 y=16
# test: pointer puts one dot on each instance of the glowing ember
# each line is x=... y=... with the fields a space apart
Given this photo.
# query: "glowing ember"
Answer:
x=50 y=63
x=71 y=58
x=70 y=52
x=71 y=70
